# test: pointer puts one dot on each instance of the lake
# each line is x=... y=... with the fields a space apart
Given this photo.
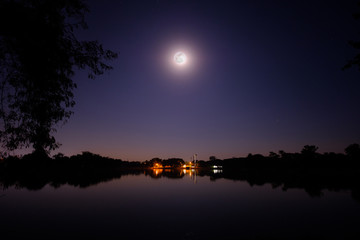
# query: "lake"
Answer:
x=191 y=206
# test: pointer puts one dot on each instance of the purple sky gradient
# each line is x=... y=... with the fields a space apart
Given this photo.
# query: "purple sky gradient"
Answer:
x=261 y=77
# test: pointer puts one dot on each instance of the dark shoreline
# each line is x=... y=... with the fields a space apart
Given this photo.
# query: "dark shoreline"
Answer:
x=86 y=171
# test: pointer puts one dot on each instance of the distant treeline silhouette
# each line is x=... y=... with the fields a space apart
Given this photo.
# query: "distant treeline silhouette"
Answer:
x=308 y=158
x=307 y=170
x=81 y=170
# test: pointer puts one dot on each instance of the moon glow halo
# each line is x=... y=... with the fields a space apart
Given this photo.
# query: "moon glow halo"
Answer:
x=180 y=58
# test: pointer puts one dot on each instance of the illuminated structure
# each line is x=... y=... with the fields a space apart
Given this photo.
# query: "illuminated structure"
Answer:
x=195 y=161
x=157 y=165
x=192 y=163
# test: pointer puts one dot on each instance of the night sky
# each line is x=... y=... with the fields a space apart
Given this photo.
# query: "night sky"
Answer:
x=261 y=76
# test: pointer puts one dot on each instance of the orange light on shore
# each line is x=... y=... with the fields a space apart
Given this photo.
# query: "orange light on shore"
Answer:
x=157 y=165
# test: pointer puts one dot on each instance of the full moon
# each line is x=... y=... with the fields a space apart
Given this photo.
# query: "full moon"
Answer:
x=180 y=58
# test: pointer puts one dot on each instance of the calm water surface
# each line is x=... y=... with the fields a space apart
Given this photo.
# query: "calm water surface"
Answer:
x=192 y=207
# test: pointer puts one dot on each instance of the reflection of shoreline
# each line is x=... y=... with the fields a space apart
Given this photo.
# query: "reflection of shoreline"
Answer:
x=313 y=181
x=171 y=172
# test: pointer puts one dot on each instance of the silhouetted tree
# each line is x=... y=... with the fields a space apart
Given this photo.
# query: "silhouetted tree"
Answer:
x=155 y=161
x=38 y=56
x=309 y=150
x=212 y=158
x=58 y=156
x=273 y=155
x=353 y=151
x=282 y=153
x=356 y=45
x=173 y=162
